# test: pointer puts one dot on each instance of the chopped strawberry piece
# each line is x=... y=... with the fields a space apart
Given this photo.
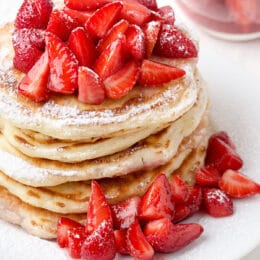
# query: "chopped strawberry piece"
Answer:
x=125 y=213
x=195 y=198
x=83 y=5
x=91 y=89
x=225 y=138
x=222 y=156
x=33 y=84
x=113 y=34
x=63 y=226
x=120 y=83
x=134 y=12
x=111 y=59
x=238 y=185
x=76 y=237
x=98 y=210
x=82 y=46
x=166 y=237
x=154 y=73
x=173 y=43
x=151 y=4
x=33 y=14
x=63 y=66
x=135 y=42
x=151 y=32
x=61 y=24
x=217 y=203
x=80 y=16
x=100 y=245
x=120 y=242
x=102 y=20
x=207 y=176
x=157 y=201
x=138 y=246
x=180 y=193
x=167 y=14
x=182 y=211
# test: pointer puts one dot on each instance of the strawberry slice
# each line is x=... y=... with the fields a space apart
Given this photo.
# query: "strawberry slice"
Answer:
x=120 y=242
x=120 y=83
x=166 y=237
x=125 y=213
x=33 y=14
x=83 y=5
x=173 y=43
x=33 y=84
x=217 y=203
x=91 y=89
x=61 y=24
x=80 y=16
x=238 y=185
x=157 y=201
x=154 y=73
x=99 y=212
x=138 y=246
x=135 y=41
x=207 y=176
x=135 y=12
x=63 y=226
x=111 y=59
x=102 y=20
x=151 y=32
x=101 y=243
x=180 y=193
x=167 y=14
x=76 y=237
x=222 y=135
x=151 y=4
x=222 y=156
x=195 y=198
x=182 y=211
x=82 y=46
x=63 y=66
x=113 y=34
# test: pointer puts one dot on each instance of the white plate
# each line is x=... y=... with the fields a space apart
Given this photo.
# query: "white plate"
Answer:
x=235 y=96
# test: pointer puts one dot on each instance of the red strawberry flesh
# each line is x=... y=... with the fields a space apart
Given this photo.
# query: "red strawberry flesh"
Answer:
x=85 y=4
x=76 y=237
x=120 y=242
x=207 y=176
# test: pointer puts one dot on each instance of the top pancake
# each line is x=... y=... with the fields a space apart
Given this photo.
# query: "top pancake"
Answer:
x=64 y=117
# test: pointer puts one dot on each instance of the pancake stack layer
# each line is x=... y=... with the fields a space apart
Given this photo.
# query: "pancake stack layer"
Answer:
x=50 y=152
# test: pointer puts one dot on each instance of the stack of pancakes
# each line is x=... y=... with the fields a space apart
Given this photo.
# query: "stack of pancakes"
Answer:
x=50 y=152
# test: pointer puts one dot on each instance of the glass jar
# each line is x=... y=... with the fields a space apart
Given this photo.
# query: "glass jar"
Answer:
x=228 y=19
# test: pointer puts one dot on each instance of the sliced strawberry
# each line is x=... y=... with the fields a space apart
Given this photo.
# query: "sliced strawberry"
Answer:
x=151 y=31
x=113 y=34
x=167 y=14
x=222 y=135
x=157 y=201
x=76 y=237
x=166 y=237
x=182 y=211
x=100 y=244
x=82 y=46
x=33 y=14
x=34 y=83
x=138 y=246
x=120 y=83
x=111 y=59
x=207 y=176
x=63 y=66
x=180 y=193
x=222 y=156
x=63 y=226
x=98 y=209
x=125 y=213
x=195 y=198
x=154 y=73
x=120 y=242
x=173 y=43
x=102 y=20
x=135 y=12
x=85 y=4
x=61 y=24
x=135 y=42
x=217 y=203
x=238 y=185
x=80 y=16
x=151 y=4
x=91 y=89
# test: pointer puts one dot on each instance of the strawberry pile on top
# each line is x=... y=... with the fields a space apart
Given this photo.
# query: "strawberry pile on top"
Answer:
x=95 y=49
